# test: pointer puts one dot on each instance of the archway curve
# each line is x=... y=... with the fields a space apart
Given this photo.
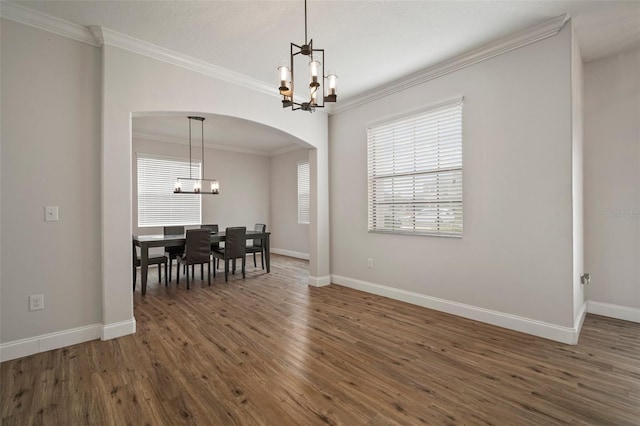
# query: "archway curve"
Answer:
x=240 y=134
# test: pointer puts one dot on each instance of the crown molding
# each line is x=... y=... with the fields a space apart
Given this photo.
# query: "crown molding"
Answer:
x=123 y=41
x=98 y=36
x=515 y=41
x=45 y=22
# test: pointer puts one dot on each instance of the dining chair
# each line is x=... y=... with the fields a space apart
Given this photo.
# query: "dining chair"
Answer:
x=234 y=248
x=197 y=252
x=257 y=246
x=175 y=251
x=214 y=229
x=152 y=260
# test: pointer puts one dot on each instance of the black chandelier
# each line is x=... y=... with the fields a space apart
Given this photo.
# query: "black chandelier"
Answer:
x=196 y=184
x=316 y=63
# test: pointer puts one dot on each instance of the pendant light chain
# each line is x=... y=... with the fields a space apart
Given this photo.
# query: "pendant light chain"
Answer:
x=202 y=139
x=190 y=166
x=306 y=39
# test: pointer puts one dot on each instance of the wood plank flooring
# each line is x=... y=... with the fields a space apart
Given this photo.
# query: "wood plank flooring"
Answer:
x=269 y=350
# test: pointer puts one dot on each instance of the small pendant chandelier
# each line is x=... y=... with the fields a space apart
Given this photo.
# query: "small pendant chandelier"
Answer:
x=316 y=63
x=198 y=183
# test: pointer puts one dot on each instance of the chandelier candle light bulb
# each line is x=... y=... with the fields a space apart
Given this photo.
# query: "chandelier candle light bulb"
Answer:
x=285 y=78
x=314 y=65
x=332 y=80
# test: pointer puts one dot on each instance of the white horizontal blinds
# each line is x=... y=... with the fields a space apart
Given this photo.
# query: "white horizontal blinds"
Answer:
x=415 y=173
x=303 y=192
x=157 y=204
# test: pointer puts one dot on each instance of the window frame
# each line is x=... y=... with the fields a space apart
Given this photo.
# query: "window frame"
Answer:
x=452 y=186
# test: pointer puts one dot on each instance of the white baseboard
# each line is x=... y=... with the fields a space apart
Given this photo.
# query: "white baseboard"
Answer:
x=549 y=331
x=319 y=281
x=582 y=314
x=60 y=339
x=46 y=342
x=290 y=253
x=614 y=311
x=118 y=329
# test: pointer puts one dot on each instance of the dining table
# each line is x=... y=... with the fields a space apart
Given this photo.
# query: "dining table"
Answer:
x=160 y=240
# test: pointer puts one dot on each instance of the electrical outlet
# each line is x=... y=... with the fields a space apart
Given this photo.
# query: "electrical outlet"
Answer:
x=369 y=263
x=36 y=302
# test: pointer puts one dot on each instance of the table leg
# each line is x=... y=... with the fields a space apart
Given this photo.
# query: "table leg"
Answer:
x=267 y=254
x=144 y=266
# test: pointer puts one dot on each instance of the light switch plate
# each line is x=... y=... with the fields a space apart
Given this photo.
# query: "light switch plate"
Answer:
x=51 y=213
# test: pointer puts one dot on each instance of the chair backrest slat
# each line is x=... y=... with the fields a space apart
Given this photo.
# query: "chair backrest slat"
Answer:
x=213 y=228
x=235 y=242
x=198 y=245
x=260 y=227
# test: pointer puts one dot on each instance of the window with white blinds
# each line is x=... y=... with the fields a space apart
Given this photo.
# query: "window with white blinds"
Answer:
x=157 y=204
x=415 y=173
x=303 y=192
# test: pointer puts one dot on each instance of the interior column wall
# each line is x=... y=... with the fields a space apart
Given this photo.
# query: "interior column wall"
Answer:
x=135 y=83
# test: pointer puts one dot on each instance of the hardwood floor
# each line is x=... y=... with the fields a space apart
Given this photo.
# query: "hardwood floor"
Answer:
x=269 y=350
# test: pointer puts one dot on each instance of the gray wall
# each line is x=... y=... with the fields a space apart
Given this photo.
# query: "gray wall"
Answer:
x=244 y=185
x=577 y=175
x=612 y=179
x=288 y=235
x=50 y=156
x=516 y=254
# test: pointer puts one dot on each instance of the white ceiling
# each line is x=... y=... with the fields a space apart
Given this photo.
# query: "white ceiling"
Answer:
x=367 y=43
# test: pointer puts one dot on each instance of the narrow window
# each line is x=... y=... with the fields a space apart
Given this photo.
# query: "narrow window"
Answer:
x=303 y=192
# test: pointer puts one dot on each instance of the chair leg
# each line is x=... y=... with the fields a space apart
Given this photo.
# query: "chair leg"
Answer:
x=188 y=275
x=226 y=270
x=233 y=264
x=178 y=274
x=209 y=272
x=159 y=273
x=202 y=271
x=170 y=264
x=254 y=260
x=214 y=267
x=135 y=277
x=166 y=275
x=262 y=257
x=244 y=261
